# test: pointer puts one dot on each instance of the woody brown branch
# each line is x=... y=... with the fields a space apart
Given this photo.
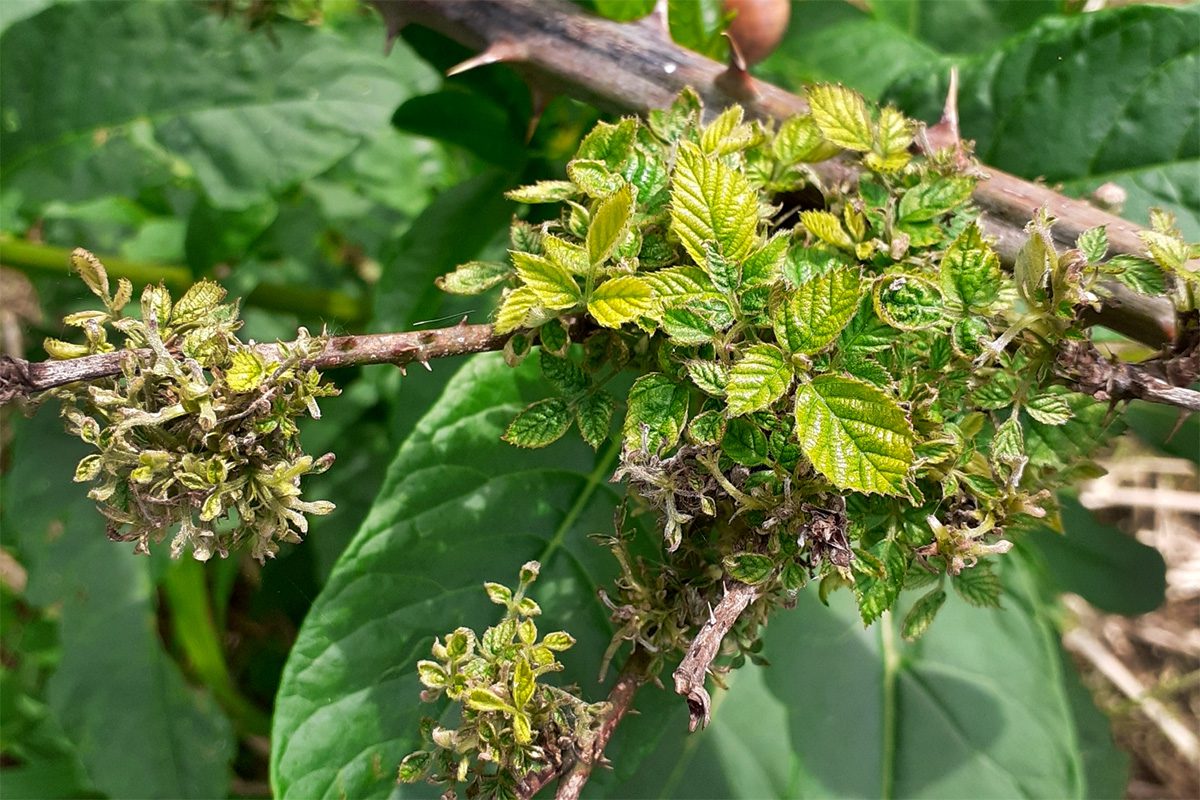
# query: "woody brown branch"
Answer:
x=576 y=774
x=634 y=67
x=691 y=673
x=1090 y=372
x=22 y=379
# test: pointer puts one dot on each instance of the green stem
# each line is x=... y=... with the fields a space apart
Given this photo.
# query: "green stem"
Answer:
x=891 y=667
x=197 y=636
x=32 y=257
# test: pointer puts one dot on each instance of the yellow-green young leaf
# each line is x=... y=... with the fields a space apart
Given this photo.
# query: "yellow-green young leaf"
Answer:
x=920 y=616
x=657 y=410
x=934 y=197
x=514 y=311
x=474 y=277
x=609 y=144
x=854 y=434
x=826 y=227
x=619 y=300
x=246 y=371
x=609 y=223
x=908 y=302
x=523 y=683
x=156 y=302
x=758 y=379
x=57 y=348
x=1169 y=252
x=1049 y=409
x=593 y=415
x=799 y=140
x=685 y=326
x=88 y=468
x=719 y=128
x=842 y=116
x=197 y=303
x=810 y=319
x=678 y=285
x=543 y=192
x=570 y=256
x=1144 y=277
x=480 y=699
x=709 y=376
x=91 y=270
x=727 y=134
x=554 y=287
x=970 y=271
x=541 y=424
x=893 y=135
x=1093 y=243
x=710 y=202
x=763 y=267
x=522 y=730
x=1036 y=260
x=593 y=178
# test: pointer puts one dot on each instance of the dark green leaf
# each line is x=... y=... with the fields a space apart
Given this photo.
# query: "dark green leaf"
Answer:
x=539 y=425
x=657 y=411
x=1107 y=567
x=745 y=443
x=454 y=512
x=751 y=568
x=593 y=415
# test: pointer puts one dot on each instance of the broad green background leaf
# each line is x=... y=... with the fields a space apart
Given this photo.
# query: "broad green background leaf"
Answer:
x=980 y=707
x=1119 y=89
x=115 y=691
x=458 y=507
x=244 y=114
x=1107 y=567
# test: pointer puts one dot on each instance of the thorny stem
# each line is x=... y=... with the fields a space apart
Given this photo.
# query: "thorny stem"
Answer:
x=1091 y=373
x=635 y=67
x=620 y=700
x=22 y=379
x=692 y=671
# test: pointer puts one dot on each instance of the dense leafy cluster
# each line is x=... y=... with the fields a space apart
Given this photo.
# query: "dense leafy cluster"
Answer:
x=832 y=380
x=198 y=425
x=511 y=724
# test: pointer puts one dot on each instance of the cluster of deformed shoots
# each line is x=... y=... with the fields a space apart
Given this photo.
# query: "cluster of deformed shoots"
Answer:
x=197 y=427
x=511 y=723
x=830 y=382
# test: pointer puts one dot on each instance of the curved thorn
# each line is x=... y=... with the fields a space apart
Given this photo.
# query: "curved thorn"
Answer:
x=501 y=50
x=541 y=99
x=658 y=20
x=736 y=80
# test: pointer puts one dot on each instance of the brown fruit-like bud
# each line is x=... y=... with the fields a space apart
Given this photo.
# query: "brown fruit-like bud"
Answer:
x=758 y=26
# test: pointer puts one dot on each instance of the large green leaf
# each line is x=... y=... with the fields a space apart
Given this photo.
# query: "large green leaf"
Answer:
x=115 y=691
x=458 y=507
x=99 y=95
x=854 y=434
x=1107 y=567
x=1117 y=87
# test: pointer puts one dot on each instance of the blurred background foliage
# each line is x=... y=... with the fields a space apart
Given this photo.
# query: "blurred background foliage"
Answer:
x=275 y=147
